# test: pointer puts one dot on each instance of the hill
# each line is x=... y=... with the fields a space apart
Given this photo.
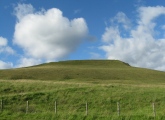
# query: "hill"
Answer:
x=112 y=90
x=84 y=70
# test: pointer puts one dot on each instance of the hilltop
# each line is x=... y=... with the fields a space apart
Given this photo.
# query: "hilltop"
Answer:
x=84 y=70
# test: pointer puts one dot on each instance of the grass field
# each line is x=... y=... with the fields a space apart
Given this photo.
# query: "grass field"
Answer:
x=71 y=84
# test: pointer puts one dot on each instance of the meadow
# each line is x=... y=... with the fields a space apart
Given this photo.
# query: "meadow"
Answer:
x=105 y=85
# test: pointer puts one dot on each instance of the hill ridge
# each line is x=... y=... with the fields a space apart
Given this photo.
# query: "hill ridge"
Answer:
x=89 y=62
x=84 y=70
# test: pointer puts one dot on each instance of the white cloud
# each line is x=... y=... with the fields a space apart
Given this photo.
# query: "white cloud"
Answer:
x=148 y=14
x=47 y=35
x=25 y=62
x=111 y=34
x=4 y=48
x=3 y=41
x=4 y=65
x=22 y=10
x=140 y=48
x=121 y=18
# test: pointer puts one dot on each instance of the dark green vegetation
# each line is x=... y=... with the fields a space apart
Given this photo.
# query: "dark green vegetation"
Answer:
x=71 y=84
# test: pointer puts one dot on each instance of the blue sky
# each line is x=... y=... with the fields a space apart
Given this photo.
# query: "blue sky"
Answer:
x=39 y=31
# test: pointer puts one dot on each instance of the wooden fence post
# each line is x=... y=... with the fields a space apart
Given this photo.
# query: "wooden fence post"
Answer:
x=118 y=108
x=55 y=107
x=27 y=106
x=153 y=107
x=1 y=105
x=86 y=108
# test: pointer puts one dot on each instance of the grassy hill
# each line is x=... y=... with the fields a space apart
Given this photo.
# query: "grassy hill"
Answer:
x=100 y=83
x=84 y=70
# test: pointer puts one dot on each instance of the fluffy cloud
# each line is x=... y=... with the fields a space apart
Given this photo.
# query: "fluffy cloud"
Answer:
x=4 y=48
x=148 y=14
x=122 y=19
x=25 y=62
x=4 y=65
x=47 y=35
x=3 y=41
x=22 y=10
x=139 y=46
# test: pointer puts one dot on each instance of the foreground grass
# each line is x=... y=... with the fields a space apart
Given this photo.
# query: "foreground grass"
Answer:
x=71 y=97
x=102 y=84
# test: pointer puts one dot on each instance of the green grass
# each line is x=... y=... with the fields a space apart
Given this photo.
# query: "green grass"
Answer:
x=101 y=83
x=84 y=70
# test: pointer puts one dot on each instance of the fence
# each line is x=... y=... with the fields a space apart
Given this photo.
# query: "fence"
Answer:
x=86 y=106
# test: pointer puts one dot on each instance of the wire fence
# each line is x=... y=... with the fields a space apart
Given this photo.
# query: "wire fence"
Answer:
x=28 y=107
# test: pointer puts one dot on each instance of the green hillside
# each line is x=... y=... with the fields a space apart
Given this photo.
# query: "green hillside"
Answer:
x=103 y=84
x=84 y=70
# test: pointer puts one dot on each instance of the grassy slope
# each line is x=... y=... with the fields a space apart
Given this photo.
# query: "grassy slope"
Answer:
x=86 y=70
x=72 y=83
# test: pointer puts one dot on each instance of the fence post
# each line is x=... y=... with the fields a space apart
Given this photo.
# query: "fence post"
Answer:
x=1 y=105
x=118 y=108
x=27 y=106
x=86 y=108
x=55 y=107
x=154 y=111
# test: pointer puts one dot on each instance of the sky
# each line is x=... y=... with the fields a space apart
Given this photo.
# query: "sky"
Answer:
x=40 y=31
